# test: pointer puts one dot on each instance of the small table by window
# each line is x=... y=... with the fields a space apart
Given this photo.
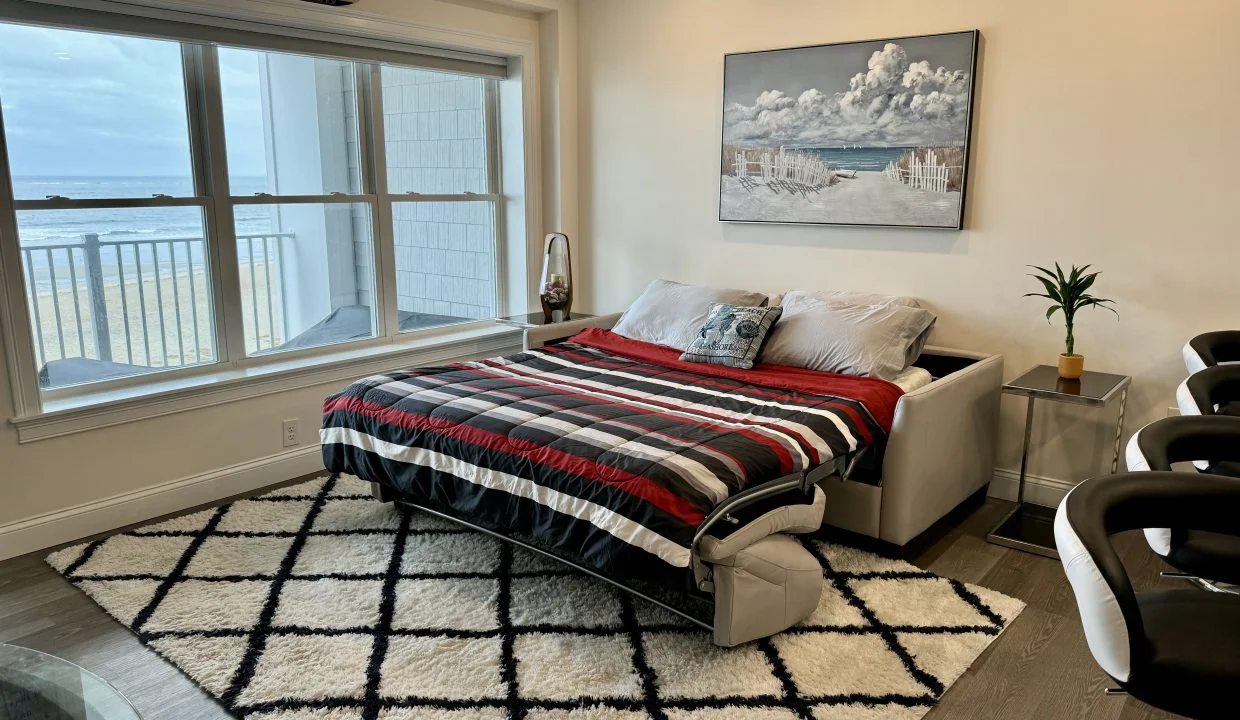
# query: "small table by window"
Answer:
x=37 y=685
x=537 y=319
x=1030 y=527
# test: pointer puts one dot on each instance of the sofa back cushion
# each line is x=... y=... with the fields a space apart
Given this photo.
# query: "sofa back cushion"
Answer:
x=672 y=314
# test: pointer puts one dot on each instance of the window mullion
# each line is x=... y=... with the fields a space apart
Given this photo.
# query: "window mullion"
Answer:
x=370 y=87
x=211 y=167
x=15 y=327
x=495 y=188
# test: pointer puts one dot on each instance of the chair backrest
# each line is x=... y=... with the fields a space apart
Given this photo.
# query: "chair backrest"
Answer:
x=1101 y=507
x=1211 y=348
x=1204 y=390
x=1184 y=439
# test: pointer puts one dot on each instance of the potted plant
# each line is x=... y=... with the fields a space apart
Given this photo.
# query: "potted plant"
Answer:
x=1069 y=293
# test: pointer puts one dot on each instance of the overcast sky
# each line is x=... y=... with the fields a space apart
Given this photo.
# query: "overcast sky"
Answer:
x=886 y=93
x=79 y=103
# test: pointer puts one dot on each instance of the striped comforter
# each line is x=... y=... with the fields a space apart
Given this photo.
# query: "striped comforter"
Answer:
x=604 y=450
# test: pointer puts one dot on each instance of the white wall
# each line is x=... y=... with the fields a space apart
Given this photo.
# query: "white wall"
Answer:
x=1105 y=132
x=51 y=475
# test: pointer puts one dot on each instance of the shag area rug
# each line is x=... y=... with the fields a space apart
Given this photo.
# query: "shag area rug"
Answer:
x=316 y=601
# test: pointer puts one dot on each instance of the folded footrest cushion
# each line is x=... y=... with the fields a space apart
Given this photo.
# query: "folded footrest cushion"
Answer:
x=765 y=588
x=765 y=581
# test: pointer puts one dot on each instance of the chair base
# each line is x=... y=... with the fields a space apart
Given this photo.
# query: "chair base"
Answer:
x=1202 y=583
x=1206 y=555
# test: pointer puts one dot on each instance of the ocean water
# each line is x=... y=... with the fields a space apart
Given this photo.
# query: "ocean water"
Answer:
x=41 y=228
x=63 y=226
x=874 y=159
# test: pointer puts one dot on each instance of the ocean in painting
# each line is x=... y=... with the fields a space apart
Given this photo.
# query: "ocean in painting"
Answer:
x=855 y=158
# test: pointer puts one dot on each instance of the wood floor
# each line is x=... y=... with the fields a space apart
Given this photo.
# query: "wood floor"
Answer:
x=1039 y=668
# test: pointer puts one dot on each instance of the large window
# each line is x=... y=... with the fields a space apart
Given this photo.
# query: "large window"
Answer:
x=178 y=205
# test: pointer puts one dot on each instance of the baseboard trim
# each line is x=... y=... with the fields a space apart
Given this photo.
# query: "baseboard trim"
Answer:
x=1039 y=490
x=79 y=521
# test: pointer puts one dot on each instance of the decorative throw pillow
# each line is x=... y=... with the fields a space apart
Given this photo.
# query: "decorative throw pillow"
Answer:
x=732 y=335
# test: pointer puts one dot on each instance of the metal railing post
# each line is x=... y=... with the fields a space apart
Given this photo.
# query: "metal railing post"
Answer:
x=98 y=302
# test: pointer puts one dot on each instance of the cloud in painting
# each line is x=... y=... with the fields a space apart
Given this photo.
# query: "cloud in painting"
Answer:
x=895 y=102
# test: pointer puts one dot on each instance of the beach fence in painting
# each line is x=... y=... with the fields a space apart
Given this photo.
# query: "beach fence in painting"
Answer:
x=922 y=174
x=782 y=169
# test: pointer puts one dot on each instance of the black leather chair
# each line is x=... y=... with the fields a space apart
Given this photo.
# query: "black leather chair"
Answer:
x=1178 y=650
x=1212 y=391
x=1210 y=349
x=1215 y=441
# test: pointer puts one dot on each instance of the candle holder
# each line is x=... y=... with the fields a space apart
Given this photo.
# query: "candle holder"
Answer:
x=556 y=290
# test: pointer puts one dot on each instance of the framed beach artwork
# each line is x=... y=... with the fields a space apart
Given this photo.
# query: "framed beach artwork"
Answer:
x=858 y=133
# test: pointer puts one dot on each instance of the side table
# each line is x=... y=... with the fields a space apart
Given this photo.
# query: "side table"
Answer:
x=1030 y=527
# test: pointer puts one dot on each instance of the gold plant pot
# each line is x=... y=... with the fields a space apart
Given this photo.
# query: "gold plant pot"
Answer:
x=1071 y=366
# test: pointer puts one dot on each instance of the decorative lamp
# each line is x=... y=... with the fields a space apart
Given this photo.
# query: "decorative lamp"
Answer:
x=556 y=290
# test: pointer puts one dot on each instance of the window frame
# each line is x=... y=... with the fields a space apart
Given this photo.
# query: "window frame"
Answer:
x=212 y=194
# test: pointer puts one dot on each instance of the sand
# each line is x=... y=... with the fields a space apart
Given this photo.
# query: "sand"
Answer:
x=171 y=346
x=870 y=198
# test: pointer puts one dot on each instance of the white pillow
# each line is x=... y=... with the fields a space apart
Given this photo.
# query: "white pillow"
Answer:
x=871 y=340
x=851 y=297
x=795 y=299
x=671 y=313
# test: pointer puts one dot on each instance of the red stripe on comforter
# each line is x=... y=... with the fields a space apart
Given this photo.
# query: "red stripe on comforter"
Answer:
x=878 y=396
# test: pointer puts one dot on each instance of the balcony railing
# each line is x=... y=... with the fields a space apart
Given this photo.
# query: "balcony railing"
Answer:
x=146 y=302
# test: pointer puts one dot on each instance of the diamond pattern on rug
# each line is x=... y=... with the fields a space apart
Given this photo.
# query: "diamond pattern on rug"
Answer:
x=316 y=601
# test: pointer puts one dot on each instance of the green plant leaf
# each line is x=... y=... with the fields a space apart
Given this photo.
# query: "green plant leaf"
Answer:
x=1089 y=301
x=1052 y=291
x=1043 y=270
x=1051 y=311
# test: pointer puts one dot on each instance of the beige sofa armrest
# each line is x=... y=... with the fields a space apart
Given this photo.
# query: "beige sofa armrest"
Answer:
x=536 y=337
x=941 y=448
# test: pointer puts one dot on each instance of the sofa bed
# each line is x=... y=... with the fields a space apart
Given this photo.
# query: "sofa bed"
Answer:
x=624 y=446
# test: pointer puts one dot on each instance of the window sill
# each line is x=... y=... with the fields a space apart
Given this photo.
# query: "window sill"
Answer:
x=91 y=411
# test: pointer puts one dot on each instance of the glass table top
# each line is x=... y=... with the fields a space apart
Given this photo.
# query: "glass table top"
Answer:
x=1043 y=381
x=38 y=686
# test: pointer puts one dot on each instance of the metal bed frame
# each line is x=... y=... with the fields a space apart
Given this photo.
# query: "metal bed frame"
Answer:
x=700 y=582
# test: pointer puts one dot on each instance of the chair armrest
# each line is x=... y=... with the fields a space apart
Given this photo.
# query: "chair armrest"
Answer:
x=1184 y=439
x=536 y=337
x=941 y=448
x=1212 y=348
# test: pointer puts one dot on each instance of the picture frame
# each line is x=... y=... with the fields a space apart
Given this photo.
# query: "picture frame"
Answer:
x=871 y=133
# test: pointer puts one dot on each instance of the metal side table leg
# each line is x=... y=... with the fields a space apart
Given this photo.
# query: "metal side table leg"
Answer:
x=1024 y=454
x=1026 y=527
x=1119 y=430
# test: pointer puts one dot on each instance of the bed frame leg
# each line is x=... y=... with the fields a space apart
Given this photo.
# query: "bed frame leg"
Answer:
x=382 y=493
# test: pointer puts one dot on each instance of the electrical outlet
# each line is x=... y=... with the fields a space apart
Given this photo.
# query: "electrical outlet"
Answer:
x=290 y=432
